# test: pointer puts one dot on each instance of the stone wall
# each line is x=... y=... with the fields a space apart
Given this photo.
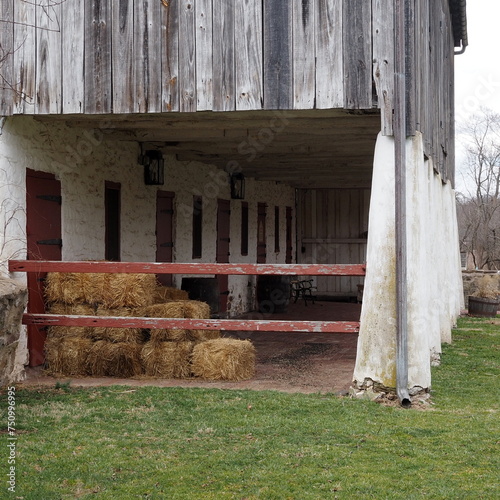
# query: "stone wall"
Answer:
x=13 y=354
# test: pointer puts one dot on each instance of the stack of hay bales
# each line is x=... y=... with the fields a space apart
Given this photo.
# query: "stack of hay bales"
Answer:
x=129 y=352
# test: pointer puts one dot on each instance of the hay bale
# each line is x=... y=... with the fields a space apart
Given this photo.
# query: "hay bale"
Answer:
x=165 y=293
x=128 y=290
x=64 y=287
x=167 y=359
x=121 y=359
x=67 y=355
x=94 y=286
x=72 y=309
x=192 y=309
x=134 y=335
x=224 y=359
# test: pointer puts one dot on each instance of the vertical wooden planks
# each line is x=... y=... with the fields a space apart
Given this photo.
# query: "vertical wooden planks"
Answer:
x=147 y=35
x=73 y=48
x=410 y=68
x=204 y=67
x=49 y=58
x=248 y=50
x=123 y=67
x=304 y=54
x=187 y=55
x=223 y=56
x=6 y=57
x=357 y=54
x=24 y=57
x=98 y=98
x=277 y=55
x=383 y=59
x=329 y=70
x=170 y=56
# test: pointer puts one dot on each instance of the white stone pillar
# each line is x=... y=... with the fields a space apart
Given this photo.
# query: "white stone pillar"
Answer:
x=432 y=249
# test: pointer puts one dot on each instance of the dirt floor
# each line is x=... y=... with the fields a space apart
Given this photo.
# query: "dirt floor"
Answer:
x=288 y=362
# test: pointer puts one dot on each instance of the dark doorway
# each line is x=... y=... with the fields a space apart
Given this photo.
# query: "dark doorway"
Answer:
x=261 y=233
x=164 y=232
x=112 y=202
x=223 y=240
x=43 y=231
x=289 y=246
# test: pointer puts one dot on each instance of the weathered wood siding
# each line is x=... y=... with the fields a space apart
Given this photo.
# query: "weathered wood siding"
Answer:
x=333 y=225
x=153 y=56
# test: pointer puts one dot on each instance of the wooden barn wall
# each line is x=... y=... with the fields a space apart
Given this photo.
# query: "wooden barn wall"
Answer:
x=152 y=56
x=332 y=229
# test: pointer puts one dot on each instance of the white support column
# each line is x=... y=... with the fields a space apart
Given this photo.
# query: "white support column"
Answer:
x=434 y=290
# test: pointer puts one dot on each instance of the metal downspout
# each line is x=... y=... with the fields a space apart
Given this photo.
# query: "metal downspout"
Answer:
x=400 y=20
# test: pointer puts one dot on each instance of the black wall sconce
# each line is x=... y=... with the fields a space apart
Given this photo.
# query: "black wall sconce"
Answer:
x=237 y=186
x=153 y=167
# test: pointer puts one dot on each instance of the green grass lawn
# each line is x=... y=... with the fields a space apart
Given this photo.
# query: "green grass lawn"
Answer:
x=176 y=443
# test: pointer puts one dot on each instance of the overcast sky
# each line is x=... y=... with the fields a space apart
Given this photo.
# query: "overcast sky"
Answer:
x=478 y=70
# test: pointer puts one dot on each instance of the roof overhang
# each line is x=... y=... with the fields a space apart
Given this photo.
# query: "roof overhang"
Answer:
x=458 y=10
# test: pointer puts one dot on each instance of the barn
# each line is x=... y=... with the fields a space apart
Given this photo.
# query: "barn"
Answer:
x=243 y=132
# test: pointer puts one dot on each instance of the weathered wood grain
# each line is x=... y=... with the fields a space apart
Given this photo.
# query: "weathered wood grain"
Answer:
x=204 y=55
x=170 y=55
x=123 y=64
x=49 y=61
x=73 y=48
x=147 y=35
x=329 y=54
x=197 y=324
x=6 y=57
x=24 y=68
x=277 y=58
x=187 y=55
x=185 y=268
x=383 y=60
x=248 y=50
x=357 y=54
x=98 y=97
x=410 y=68
x=224 y=56
x=304 y=54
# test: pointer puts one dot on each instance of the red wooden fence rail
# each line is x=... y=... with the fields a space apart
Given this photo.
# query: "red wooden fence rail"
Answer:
x=262 y=325
x=38 y=266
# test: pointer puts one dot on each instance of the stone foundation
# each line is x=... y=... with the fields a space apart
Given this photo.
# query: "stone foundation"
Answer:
x=13 y=352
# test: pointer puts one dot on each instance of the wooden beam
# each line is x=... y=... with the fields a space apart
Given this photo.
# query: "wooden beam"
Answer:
x=195 y=324
x=186 y=268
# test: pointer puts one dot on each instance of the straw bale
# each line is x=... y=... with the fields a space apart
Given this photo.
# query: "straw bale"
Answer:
x=109 y=359
x=129 y=290
x=165 y=310
x=165 y=293
x=195 y=309
x=167 y=359
x=94 y=287
x=71 y=309
x=67 y=355
x=134 y=335
x=64 y=287
x=224 y=359
x=170 y=335
x=204 y=335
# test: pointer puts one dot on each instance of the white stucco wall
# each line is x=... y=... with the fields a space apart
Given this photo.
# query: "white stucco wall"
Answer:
x=83 y=160
x=434 y=284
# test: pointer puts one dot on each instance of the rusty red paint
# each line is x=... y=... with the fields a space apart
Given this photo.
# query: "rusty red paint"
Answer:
x=187 y=268
x=197 y=324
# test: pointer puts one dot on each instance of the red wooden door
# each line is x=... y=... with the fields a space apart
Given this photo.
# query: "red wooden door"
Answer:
x=223 y=240
x=165 y=232
x=43 y=230
x=261 y=233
